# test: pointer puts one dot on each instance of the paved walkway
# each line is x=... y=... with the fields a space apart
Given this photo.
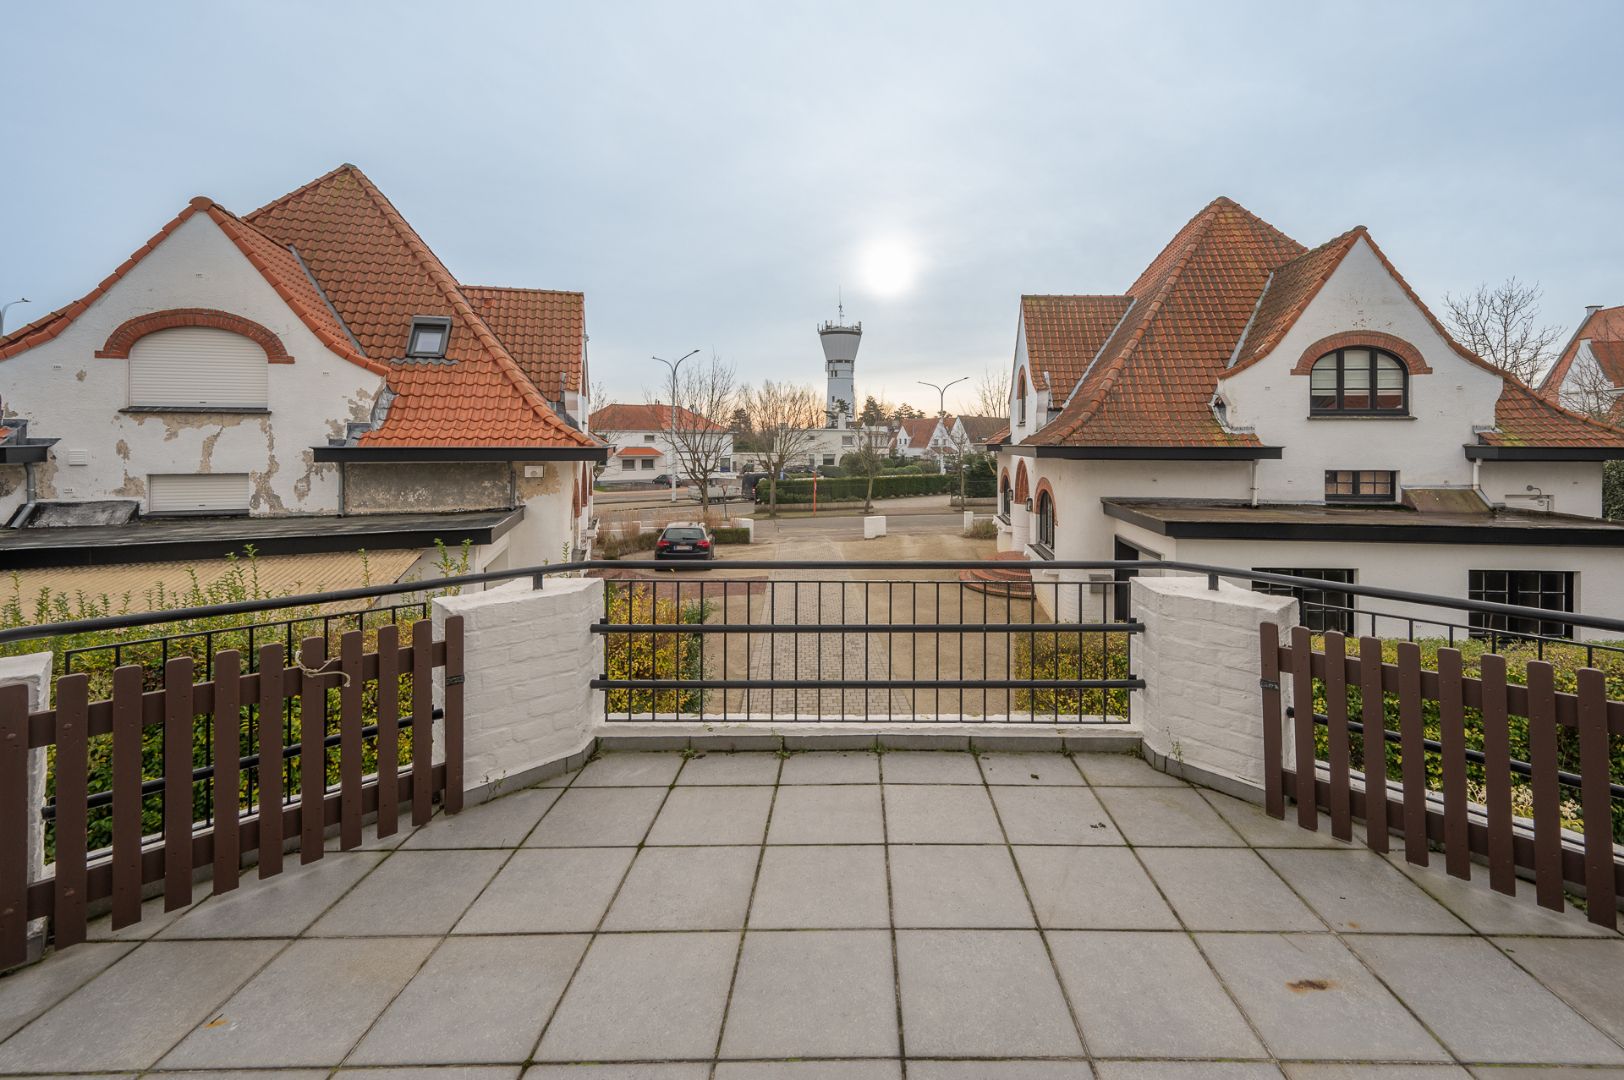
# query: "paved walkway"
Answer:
x=735 y=917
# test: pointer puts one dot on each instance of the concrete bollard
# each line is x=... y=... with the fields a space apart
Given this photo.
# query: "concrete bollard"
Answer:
x=969 y=520
x=874 y=527
x=749 y=527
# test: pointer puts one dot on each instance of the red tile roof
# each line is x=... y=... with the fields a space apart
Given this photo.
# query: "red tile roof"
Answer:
x=1155 y=375
x=1230 y=285
x=1063 y=333
x=378 y=274
x=638 y=451
x=919 y=431
x=982 y=428
x=1604 y=329
x=544 y=331
x=647 y=418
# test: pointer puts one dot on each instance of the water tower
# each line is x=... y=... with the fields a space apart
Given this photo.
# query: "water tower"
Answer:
x=840 y=343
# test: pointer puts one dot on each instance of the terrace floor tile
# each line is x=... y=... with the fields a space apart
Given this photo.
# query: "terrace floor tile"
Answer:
x=815 y=993
x=983 y=994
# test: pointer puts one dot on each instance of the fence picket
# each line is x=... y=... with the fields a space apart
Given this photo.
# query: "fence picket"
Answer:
x=16 y=819
x=1336 y=716
x=177 y=739
x=312 y=751
x=1452 y=740
x=388 y=729
x=422 y=719
x=1601 y=892
x=1373 y=715
x=1497 y=774
x=1274 y=798
x=272 y=664
x=1414 y=764
x=1302 y=701
x=453 y=714
x=349 y=747
x=227 y=769
x=127 y=682
x=1547 y=798
x=72 y=787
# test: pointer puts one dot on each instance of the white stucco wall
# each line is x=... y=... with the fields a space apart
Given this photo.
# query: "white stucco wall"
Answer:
x=1425 y=449
x=1574 y=487
x=67 y=393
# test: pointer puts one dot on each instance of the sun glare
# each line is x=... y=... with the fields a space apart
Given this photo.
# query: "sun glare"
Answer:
x=888 y=267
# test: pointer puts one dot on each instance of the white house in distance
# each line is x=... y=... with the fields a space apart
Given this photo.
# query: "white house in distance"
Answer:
x=1589 y=375
x=639 y=438
x=305 y=378
x=1252 y=403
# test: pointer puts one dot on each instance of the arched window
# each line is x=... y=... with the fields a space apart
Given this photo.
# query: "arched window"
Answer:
x=1006 y=495
x=1020 y=398
x=197 y=367
x=1045 y=520
x=1359 y=380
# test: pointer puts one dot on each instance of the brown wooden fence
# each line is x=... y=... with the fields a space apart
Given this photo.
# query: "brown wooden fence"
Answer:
x=1447 y=819
x=81 y=878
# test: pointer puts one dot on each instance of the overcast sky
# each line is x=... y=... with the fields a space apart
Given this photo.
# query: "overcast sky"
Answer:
x=710 y=175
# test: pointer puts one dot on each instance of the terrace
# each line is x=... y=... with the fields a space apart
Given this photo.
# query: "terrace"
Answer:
x=816 y=886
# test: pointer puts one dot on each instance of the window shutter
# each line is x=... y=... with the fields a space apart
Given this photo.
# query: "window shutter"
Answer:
x=197 y=367
x=174 y=493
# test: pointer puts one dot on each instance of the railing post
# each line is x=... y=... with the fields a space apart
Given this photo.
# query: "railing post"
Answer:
x=24 y=686
x=1274 y=796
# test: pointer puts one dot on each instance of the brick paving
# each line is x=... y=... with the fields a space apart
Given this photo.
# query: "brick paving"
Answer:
x=838 y=916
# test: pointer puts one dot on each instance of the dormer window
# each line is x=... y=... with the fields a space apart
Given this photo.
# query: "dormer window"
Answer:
x=1359 y=381
x=430 y=336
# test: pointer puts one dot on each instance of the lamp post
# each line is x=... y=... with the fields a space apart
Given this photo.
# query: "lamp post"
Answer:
x=671 y=446
x=6 y=307
x=941 y=406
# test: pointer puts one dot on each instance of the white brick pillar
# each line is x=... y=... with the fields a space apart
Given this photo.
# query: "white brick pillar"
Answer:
x=528 y=659
x=1020 y=531
x=1202 y=708
x=34 y=671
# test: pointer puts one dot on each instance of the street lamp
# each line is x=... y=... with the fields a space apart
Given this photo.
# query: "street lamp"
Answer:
x=5 y=307
x=671 y=446
x=941 y=406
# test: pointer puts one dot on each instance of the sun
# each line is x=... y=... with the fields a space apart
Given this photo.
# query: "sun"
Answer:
x=888 y=267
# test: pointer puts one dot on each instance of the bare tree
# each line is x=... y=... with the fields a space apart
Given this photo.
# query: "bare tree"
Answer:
x=992 y=392
x=705 y=395
x=786 y=418
x=868 y=460
x=1588 y=391
x=1500 y=323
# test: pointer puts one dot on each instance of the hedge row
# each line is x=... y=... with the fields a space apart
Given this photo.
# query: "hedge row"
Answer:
x=893 y=486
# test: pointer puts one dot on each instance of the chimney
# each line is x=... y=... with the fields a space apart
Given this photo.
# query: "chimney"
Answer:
x=1591 y=309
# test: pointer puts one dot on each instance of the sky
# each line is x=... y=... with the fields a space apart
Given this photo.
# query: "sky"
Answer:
x=715 y=176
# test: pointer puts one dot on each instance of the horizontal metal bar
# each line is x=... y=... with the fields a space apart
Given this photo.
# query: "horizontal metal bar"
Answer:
x=150 y=618
x=1476 y=757
x=868 y=628
x=1129 y=683
x=289 y=752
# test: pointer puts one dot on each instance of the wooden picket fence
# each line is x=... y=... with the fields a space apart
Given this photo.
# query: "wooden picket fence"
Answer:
x=1425 y=819
x=80 y=878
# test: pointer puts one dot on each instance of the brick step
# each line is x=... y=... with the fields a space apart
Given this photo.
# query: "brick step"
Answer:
x=1012 y=583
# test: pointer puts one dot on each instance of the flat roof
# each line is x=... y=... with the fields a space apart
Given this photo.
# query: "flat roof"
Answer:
x=174 y=539
x=1230 y=520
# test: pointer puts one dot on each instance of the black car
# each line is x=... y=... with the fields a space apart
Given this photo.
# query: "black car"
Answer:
x=686 y=541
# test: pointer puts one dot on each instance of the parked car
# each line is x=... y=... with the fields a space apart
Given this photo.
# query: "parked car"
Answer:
x=686 y=540
x=664 y=480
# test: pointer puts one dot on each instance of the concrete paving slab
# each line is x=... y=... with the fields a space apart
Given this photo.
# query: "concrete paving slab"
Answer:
x=1053 y=815
x=412 y=892
x=1026 y=770
x=815 y=993
x=713 y=815
x=27 y=993
x=929 y=767
x=1092 y=888
x=630 y=768
x=280 y=906
x=981 y=993
x=1358 y=892
x=921 y=814
x=598 y=817
x=308 y=1007
x=500 y=823
x=825 y=814
x=1226 y=889
x=704 y=888
x=1588 y=975
x=824 y=888
x=949 y=885
x=1149 y=994
x=731 y=769
x=548 y=890
x=846 y=767
x=1123 y=770
x=1167 y=817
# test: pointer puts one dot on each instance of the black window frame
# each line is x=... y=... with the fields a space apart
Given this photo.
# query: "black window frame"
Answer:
x=1318 y=609
x=421 y=323
x=1020 y=398
x=1513 y=587
x=1359 y=495
x=1045 y=520
x=1339 y=409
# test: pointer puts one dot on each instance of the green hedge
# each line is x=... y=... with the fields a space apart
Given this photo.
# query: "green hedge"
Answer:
x=729 y=535
x=891 y=486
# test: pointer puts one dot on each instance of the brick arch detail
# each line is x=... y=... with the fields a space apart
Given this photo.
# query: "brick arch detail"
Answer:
x=1003 y=480
x=120 y=341
x=1023 y=486
x=1043 y=488
x=1375 y=339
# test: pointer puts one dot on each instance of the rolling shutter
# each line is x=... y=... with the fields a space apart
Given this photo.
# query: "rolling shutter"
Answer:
x=196 y=367
x=201 y=493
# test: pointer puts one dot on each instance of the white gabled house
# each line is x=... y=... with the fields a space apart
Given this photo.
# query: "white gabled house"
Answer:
x=305 y=378
x=1252 y=403
x=641 y=446
x=1589 y=375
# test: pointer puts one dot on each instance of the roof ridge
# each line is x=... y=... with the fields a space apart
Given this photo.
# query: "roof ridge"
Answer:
x=524 y=289
x=1345 y=241
x=1203 y=223
x=302 y=189
x=448 y=286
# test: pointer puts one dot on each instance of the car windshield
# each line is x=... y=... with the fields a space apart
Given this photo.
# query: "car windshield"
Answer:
x=685 y=534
